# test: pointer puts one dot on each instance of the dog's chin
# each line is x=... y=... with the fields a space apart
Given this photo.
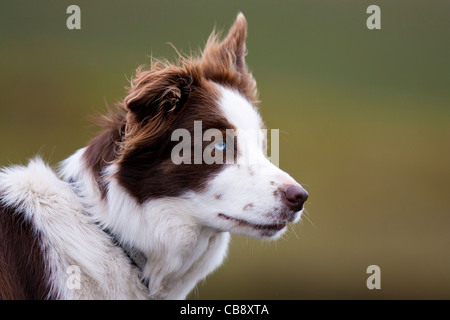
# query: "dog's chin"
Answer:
x=247 y=228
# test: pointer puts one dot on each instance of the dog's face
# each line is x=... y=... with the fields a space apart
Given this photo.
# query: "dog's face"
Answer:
x=184 y=144
x=252 y=196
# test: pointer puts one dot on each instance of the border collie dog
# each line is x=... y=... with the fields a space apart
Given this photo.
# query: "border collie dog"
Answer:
x=121 y=219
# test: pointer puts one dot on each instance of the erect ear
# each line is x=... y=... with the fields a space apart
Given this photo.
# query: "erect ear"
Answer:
x=232 y=50
x=158 y=93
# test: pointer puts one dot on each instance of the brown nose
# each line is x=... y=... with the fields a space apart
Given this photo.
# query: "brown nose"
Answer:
x=295 y=196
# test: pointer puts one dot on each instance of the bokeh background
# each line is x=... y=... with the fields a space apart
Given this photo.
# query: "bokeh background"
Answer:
x=364 y=117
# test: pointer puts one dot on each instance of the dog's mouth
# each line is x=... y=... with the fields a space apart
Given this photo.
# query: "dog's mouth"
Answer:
x=263 y=227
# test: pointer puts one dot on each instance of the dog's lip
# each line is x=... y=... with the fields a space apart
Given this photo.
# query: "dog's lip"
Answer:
x=275 y=227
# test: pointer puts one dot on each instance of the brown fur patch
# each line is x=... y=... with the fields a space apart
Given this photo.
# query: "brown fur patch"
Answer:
x=103 y=149
x=22 y=266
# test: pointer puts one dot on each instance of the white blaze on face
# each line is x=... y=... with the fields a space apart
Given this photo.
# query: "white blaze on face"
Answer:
x=249 y=127
x=248 y=195
x=238 y=110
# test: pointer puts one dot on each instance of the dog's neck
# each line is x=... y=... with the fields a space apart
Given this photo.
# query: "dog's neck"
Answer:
x=134 y=255
x=171 y=249
x=76 y=179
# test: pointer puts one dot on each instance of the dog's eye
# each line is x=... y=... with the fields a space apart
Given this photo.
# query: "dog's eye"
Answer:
x=220 y=145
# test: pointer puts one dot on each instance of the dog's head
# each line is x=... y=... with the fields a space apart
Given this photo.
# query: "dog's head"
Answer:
x=192 y=138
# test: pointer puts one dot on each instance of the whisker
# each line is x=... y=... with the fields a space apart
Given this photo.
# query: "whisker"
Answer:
x=293 y=230
x=304 y=215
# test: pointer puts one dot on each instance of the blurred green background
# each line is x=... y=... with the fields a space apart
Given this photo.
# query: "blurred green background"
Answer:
x=364 y=121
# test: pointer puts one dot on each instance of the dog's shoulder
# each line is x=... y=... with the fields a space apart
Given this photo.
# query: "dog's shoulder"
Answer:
x=22 y=264
x=64 y=233
x=34 y=188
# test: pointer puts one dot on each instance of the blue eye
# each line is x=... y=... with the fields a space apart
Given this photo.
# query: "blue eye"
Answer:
x=220 y=145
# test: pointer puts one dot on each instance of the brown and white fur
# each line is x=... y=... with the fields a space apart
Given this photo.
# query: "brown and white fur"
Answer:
x=123 y=191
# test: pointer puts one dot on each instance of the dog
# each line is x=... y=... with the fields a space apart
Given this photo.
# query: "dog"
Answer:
x=120 y=218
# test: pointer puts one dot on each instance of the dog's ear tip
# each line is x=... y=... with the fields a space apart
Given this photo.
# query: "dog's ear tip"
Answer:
x=241 y=17
x=239 y=25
